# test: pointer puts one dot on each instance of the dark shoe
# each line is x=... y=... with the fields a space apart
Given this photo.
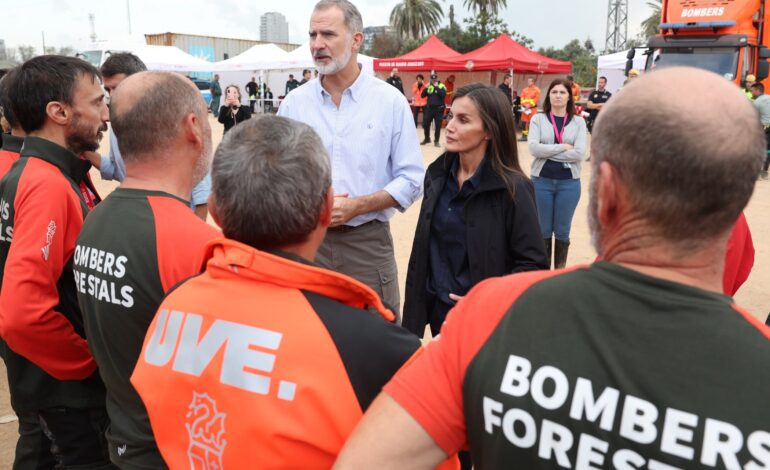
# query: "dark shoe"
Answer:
x=763 y=175
x=523 y=138
x=548 y=250
x=424 y=142
x=436 y=144
x=560 y=254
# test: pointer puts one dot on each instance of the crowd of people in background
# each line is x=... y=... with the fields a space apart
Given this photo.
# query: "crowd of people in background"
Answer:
x=137 y=335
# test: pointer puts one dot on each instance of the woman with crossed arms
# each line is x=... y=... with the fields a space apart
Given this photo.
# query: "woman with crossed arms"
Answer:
x=557 y=141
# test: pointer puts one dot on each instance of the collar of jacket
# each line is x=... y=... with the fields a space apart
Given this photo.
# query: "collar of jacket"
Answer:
x=490 y=180
x=11 y=143
x=70 y=164
x=229 y=258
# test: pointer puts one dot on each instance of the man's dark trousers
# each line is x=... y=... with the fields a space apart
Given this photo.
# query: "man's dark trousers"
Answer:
x=433 y=114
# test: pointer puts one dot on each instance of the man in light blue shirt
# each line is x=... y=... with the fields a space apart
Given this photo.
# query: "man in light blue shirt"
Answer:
x=114 y=70
x=368 y=129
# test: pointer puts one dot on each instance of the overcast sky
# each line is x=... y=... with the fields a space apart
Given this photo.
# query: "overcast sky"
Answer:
x=65 y=22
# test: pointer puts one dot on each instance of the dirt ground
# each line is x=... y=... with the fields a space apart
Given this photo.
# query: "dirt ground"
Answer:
x=752 y=296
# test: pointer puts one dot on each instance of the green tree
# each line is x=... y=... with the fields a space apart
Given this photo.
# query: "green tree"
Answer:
x=483 y=28
x=479 y=30
x=25 y=52
x=521 y=39
x=490 y=7
x=486 y=11
x=409 y=45
x=414 y=19
x=384 y=45
x=583 y=58
x=650 y=25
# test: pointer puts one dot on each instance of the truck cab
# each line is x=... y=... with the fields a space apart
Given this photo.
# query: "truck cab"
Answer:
x=726 y=37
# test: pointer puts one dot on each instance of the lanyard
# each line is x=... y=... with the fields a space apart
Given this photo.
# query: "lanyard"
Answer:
x=88 y=196
x=559 y=134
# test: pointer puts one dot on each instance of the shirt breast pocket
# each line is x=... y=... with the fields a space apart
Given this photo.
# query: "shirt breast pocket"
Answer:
x=372 y=146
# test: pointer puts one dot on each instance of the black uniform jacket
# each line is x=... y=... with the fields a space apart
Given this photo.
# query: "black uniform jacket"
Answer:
x=503 y=235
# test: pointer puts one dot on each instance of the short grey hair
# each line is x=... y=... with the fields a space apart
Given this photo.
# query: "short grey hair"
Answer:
x=151 y=122
x=270 y=179
x=353 y=20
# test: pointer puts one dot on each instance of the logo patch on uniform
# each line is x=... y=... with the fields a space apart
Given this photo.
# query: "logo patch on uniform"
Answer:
x=121 y=450
x=206 y=429
x=48 y=239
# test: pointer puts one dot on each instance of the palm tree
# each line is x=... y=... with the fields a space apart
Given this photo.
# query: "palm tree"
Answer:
x=488 y=7
x=650 y=25
x=414 y=19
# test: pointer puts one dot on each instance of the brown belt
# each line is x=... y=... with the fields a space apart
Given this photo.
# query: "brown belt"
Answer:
x=350 y=228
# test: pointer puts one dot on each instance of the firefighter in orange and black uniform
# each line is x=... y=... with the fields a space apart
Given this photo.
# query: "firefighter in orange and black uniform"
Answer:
x=530 y=97
x=121 y=280
x=52 y=376
x=266 y=359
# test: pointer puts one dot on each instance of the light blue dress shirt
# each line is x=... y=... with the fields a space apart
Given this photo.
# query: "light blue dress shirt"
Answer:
x=370 y=139
x=113 y=168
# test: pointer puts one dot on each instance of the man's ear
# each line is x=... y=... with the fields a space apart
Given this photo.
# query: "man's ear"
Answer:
x=358 y=40
x=326 y=211
x=610 y=194
x=58 y=112
x=193 y=131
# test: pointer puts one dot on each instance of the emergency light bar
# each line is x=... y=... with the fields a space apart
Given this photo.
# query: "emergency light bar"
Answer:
x=698 y=25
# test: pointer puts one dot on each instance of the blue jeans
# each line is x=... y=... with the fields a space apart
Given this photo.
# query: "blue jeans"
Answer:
x=556 y=203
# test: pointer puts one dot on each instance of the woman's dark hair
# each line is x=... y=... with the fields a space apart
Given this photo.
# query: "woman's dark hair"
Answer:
x=570 y=103
x=495 y=112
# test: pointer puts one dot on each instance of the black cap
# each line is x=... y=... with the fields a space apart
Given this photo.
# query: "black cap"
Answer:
x=434 y=76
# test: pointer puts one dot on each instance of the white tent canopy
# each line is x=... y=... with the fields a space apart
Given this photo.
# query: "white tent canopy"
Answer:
x=169 y=58
x=259 y=57
x=271 y=57
x=613 y=67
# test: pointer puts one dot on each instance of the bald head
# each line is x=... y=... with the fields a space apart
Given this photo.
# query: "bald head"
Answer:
x=147 y=109
x=688 y=172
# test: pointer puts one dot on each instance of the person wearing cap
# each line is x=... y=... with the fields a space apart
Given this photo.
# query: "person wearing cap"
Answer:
x=434 y=110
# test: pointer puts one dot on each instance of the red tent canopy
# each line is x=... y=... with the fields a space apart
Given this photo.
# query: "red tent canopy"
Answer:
x=502 y=54
x=421 y=59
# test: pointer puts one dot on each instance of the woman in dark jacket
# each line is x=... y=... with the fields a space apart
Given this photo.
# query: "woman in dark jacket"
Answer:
x=233 y=112
x=478 y=217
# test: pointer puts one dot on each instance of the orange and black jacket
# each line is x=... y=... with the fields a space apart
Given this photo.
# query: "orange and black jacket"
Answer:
x=265 y=361
x=9 y=152
x=42 y=208
x=133 y=248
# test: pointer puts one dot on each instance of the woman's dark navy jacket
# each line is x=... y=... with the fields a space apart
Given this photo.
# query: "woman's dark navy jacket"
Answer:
x=503 y=235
